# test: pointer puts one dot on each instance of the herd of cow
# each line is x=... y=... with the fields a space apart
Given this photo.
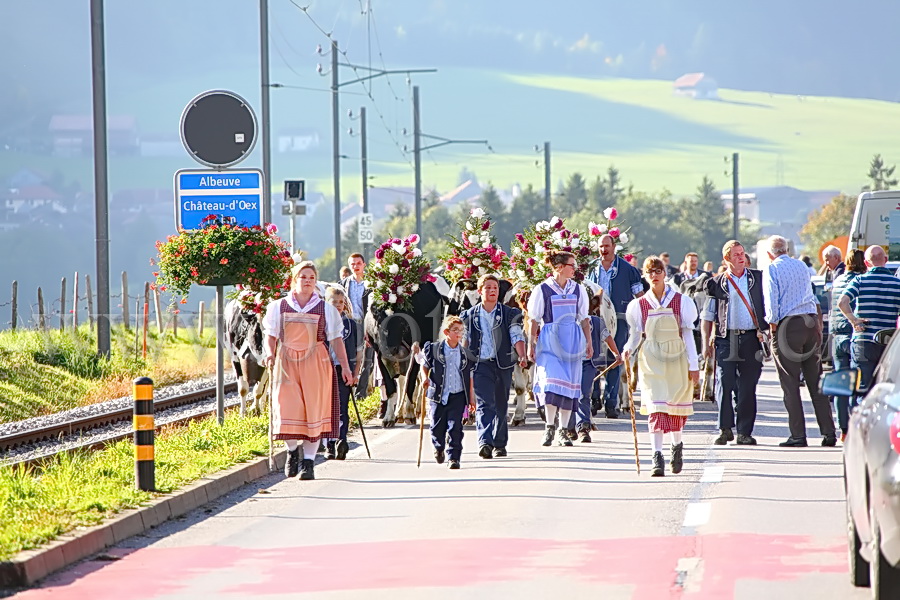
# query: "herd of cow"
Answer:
x=391 y=336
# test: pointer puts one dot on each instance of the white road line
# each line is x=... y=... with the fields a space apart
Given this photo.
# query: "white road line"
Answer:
x=697 y=514
x=712 y=475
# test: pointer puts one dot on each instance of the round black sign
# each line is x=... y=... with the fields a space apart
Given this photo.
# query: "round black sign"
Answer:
x=218 y=128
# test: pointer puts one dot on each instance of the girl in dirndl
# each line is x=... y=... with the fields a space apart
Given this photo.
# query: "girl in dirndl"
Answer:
x=305 y=402
x=661 y=323
x=559 y=338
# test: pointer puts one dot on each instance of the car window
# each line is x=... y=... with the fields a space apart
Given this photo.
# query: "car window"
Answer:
x=889 y=367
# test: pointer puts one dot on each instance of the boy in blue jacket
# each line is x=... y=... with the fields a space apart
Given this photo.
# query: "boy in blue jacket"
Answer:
x=448 y=372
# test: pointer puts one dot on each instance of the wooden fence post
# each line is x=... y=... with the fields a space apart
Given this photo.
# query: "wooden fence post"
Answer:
x=42 y=322
x=90 y=302
x=200 y=316
x=126 y=319
x=15 y=305
x=62 y=304
x=159 y=317
x=75 y=303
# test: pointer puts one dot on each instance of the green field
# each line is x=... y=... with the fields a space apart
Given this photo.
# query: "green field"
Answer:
x=656 y=140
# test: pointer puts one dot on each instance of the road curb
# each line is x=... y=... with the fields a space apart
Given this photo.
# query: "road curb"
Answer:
x=28 y=567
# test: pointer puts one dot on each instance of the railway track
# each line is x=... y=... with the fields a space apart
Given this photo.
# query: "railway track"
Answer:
x=85 y=424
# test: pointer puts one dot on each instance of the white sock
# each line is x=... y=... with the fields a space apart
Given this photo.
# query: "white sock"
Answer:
x=291 y=445
x=656 y=441
x=564 y=416
x=550 y=413
x=310 y=449
x=676 y=438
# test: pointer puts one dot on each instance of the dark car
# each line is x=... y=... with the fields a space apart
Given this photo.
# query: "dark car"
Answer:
x=872 y=472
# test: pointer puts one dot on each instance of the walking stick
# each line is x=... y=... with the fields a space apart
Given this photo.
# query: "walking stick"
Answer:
x=637 y=460
x=362 y=429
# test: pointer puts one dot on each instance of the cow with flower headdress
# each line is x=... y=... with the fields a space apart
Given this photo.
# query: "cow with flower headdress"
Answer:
x=404 y=307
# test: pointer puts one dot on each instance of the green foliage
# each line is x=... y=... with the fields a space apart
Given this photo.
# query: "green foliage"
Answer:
x=828 y=222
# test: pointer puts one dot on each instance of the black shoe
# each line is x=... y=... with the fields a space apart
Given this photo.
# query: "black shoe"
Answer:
x=292 y=465
x=342 y=448
x=454 y=464
x=548 y=435
x=829 y=440
x=726 y=436
x=745 y=440
x=793 y=442
x=306 y=469
x=562 y=437
x=439 y=456
x=659 y=469
x=585 y=436
x=677 y=458
x=499 y=452
x=330 y=452
x=486 y=451
x=612 y=413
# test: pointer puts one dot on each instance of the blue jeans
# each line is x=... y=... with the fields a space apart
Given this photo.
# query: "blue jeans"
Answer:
x=864 y=355
x=491 y=385
x=840 y=354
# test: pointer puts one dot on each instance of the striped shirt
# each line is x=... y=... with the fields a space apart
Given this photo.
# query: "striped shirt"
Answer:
x=787 y=289
x=837 y=322
x=877 y=295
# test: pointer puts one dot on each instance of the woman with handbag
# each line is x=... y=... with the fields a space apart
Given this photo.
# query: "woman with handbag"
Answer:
x=661 y=322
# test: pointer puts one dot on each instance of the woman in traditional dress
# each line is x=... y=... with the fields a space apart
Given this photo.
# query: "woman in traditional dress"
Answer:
x=661 y=323
x=559 y=338
x=305 y=403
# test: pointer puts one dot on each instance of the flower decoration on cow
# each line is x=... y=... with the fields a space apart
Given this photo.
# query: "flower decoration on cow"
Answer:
x=528 y=264
x=254 y=259
x=475 y=252
x=396 y=273
x=618 y=232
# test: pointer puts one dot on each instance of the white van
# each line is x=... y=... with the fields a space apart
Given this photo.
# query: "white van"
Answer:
x=872 y=222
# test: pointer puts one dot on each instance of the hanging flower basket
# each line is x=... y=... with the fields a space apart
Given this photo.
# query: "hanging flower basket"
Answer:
x=254 y=259
x=475 y=252
x=396 y=274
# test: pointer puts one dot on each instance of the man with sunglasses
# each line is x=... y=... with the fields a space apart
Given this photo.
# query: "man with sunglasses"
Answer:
x=622 y=283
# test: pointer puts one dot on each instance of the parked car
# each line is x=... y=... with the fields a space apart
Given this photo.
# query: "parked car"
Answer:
x=872 y=472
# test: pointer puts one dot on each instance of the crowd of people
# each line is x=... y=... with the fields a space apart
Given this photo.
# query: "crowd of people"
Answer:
x=669 y=320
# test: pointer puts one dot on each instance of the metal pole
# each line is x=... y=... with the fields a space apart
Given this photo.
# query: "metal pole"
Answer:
x=336 y=158
x=417 y=145
x=264 y=102
x=365 y=171
x=101 y=201
x=220 y=355
x=735 y=191
x=547 y=208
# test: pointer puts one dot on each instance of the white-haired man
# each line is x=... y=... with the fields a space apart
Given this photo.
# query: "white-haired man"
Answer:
x=795 y=321
x=835 y=267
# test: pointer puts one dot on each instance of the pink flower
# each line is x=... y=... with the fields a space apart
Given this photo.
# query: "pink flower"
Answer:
x=614 y=232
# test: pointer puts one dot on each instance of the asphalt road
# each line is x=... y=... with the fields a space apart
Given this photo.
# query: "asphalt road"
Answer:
x=739 y=522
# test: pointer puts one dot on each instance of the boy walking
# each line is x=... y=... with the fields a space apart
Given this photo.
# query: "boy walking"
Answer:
x=448 y=381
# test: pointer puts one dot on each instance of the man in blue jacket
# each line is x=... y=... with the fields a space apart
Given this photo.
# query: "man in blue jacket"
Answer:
x=495 y=342
x=622 y=283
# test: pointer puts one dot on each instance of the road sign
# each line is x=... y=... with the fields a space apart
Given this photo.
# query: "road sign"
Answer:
x=233 y=196
x=366 y=228
x=218 y=128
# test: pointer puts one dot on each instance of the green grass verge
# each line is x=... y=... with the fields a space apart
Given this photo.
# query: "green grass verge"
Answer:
x=84 y=488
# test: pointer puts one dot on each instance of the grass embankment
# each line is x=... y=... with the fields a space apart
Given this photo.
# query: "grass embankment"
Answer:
x=82 y=489
x=46 y=372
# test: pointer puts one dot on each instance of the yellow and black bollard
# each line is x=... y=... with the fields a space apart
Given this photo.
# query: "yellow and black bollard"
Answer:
x=144 y=427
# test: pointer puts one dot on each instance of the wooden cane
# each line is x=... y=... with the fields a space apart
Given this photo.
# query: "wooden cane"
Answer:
x=637 y=460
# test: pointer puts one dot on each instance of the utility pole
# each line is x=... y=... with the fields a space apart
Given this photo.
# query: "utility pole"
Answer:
x=417 y=154
x=264 y=101
x=547 y=208
x=365 y=171
x=101 y=200
x=735 y=190
x=336 y=157
x=417 y=151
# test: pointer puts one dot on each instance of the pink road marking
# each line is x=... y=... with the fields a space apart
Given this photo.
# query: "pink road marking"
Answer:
x=648 y=564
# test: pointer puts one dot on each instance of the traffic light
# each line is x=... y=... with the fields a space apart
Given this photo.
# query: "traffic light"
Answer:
x=294 y=190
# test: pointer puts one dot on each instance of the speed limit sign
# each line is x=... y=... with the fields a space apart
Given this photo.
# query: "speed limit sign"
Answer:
x=366 y=229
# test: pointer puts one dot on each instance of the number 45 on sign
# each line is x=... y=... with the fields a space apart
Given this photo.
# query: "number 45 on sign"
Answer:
x=366 y=230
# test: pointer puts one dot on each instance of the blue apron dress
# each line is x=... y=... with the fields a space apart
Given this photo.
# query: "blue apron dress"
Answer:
x=559 y=349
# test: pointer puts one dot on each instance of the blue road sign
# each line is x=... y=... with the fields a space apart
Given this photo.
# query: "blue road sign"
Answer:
x=232 y=196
